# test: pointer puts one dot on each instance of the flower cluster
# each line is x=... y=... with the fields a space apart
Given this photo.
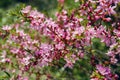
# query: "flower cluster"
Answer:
x=68 y=37
x=103 y=73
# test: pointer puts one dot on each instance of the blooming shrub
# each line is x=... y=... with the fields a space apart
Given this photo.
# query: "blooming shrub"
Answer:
x=37 y=41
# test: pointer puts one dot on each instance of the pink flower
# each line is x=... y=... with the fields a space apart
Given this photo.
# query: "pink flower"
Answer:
x=25 y=60
x=109 y=40
x=78 y=31
x=103 y=70
x=60 y=45
x=70 y=61
x=113 y=60
x=69 y=64
x=94 y=79
x=26 y=78
x=45 y=55
x=6 y=28
x=107 y=19
x=14 y=50
x=26 y=10
x=117 y=32
x=80 y=54
x=35 y=14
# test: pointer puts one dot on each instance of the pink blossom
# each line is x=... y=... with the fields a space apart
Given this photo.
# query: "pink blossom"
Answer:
x=80 y=54
x=26 y=10
x=69 y=64
x=6 y=28
x=113 y=60
x=103 y=70
x=94 y=79
x=60 y=45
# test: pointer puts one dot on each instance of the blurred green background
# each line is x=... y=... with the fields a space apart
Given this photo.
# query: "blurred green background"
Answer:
x=7 y=5
x=48 y=7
